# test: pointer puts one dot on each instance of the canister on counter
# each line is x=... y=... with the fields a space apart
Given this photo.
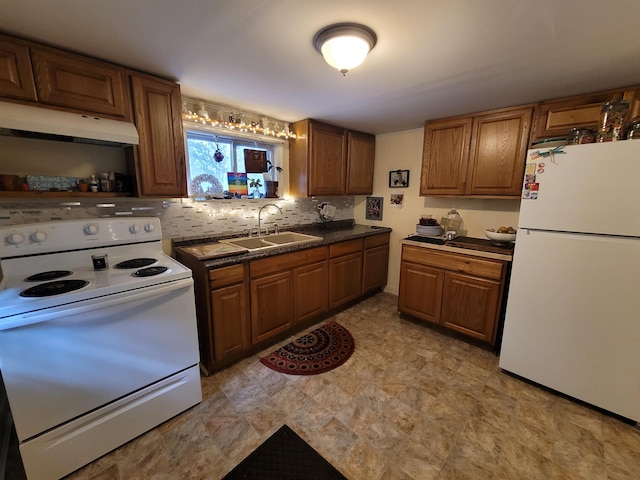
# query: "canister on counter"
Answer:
x=578 y=136
x=612 y=119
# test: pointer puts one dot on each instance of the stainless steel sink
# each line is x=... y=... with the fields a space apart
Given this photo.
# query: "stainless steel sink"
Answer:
x=271 y=241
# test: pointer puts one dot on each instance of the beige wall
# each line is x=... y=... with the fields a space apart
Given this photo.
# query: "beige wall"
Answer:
x=403 y=150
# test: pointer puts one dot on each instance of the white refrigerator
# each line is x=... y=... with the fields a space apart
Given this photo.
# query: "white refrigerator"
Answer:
x=573 y=311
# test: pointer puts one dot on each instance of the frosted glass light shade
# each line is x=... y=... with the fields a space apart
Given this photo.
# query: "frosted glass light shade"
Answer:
x=344 y=46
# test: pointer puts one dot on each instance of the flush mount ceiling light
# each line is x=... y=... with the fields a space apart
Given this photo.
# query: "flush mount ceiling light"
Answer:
x=344 y=46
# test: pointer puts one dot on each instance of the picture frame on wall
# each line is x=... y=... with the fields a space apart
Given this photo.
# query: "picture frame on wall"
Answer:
x=374 y=208
x=398 y=178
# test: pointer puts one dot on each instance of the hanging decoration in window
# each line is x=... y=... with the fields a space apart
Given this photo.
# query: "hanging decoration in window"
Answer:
x=198 y=111
x=218 y=156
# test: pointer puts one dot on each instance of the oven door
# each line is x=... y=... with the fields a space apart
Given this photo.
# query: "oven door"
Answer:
x=62 y=362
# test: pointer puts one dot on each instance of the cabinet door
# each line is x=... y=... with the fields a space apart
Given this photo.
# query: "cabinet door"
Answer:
x=271 y=305
x=375 y=265
x=16 y=75
x=310 y=294
x=361 y=151
x=498 y=150
x=345 y=279
x=445 y=157
x=231 y=329
x=80 y=83
x=556 y=118
x=160 y=159
x=421 y=291
x=327 y=160
x=470 y=305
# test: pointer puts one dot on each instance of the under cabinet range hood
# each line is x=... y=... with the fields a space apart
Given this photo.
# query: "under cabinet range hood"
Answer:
x=34 y=122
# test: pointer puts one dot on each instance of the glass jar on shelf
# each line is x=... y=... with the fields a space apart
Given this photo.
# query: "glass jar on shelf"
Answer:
x=581 y=135
x=633 y=132
x=612 y=119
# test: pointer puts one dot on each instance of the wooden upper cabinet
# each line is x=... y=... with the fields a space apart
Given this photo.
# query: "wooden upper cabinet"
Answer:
x=160 y=156
x=480 y=155
x=329 y=160
x=497 y=155
x=16 y=75
x=80 y=83
x=445 y=157
x=327 y=167
x=556 y=118
x=361 y=151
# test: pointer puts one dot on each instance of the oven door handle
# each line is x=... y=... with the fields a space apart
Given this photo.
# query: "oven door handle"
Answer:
x=92 y=304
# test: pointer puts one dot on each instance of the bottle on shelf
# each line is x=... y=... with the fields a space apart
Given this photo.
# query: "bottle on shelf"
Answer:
x=93 y=184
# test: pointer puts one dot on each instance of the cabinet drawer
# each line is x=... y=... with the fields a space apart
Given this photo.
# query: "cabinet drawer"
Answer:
x=455 y=262
x=376 y=240
x=344 y=248
x=221 y=277
x=278 y=263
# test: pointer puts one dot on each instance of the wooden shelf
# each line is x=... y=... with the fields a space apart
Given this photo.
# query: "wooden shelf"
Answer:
x=18 y=194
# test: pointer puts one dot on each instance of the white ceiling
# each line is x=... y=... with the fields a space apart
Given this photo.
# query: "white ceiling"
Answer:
x=434 y=58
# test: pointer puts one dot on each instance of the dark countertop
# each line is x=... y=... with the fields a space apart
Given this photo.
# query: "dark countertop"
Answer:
x=478 y=247
x=329 y=233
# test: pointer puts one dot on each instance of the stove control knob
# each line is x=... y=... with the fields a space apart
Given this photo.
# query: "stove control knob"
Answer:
x=15 y=238
x=38 y=236
x=135 y=228
x=149 y=227
x=90 y=229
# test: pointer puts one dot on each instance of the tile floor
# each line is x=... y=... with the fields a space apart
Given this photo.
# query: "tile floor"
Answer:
x=409 y=404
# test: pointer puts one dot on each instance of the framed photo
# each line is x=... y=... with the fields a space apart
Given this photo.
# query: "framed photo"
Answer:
x=374 y=208
x=398 y=178
x=396 y=200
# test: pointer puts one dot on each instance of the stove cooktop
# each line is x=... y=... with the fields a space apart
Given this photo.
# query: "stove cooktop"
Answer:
x=470 y=243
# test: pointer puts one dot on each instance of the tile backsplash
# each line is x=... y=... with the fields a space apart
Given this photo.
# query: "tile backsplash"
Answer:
x=180 y=218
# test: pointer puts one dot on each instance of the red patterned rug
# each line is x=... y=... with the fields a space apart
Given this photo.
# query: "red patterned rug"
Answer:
x=318 y=351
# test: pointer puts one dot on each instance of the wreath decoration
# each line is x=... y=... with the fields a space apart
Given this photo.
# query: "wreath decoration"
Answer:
x=214 y=184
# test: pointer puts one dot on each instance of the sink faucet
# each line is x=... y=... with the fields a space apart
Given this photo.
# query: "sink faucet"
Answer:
x=260 y=214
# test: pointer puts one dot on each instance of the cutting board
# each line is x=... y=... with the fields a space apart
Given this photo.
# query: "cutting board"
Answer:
x=213 y=250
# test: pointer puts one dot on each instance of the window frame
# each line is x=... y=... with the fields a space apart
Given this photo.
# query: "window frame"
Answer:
x=275 y=146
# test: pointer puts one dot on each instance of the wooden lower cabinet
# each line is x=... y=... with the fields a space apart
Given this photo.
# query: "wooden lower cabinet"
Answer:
x=457 y=291
x=345 y=272
x=244 y=307
x=470 y=305
x=310 y=291
x=231 y=328
x=375 y=262
x=271 y=305
x=421 y=291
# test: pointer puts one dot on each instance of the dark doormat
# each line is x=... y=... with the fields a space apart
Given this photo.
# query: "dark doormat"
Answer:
x=284 y=456
x=318 y=351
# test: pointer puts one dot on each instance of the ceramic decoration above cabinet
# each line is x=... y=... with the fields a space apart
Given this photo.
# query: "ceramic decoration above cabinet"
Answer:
x=481 y=155
x=46 y=77
x=329 y=160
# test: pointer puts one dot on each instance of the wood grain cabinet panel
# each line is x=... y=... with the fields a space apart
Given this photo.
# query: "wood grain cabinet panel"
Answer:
x=80 y=83
x=310 y=294
x=329 y=160
x=375 y=266
x=361 y=151
x=345 y=279
x=420 y=292
x=231 y=328
x=447 y=293
x=271 y=306
x=16 y=75
x=497 y=155
x=481 y=155
x=160 y=157
x=470 y=305
x=445 y=157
